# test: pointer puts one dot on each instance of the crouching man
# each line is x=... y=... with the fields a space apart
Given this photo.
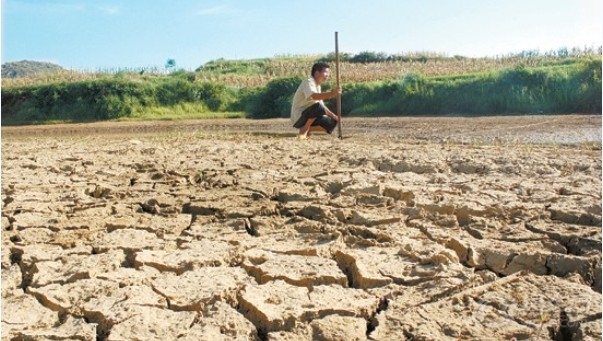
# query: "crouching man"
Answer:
x=308 y=111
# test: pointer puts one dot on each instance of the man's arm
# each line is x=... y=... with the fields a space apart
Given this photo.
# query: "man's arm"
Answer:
x=326 y=95
x=332 y=115
x=328 y=112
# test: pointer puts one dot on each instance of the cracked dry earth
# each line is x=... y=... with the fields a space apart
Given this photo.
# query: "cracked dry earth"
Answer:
x=206 y=234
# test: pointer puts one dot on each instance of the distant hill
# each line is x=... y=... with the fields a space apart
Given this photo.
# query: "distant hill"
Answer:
x=26 y=68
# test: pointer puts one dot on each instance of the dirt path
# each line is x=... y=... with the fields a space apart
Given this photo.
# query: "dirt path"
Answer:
x=409 y=228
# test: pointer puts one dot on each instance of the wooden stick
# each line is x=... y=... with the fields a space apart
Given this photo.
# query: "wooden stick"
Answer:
x=337 y=80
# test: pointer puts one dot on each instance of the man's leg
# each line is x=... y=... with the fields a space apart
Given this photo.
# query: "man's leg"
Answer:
x=311 y=114
x=317 y=128
x=324 y=123
x=303 y=131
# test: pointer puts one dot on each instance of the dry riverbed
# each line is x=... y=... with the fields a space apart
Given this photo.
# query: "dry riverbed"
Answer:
x=408 y=228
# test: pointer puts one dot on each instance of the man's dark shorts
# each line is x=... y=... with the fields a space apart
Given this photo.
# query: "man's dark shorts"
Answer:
x=322 y=119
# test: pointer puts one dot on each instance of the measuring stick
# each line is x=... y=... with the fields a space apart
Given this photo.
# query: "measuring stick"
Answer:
x=337 y=80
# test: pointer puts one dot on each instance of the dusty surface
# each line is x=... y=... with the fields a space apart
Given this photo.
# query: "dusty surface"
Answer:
x=421 y=229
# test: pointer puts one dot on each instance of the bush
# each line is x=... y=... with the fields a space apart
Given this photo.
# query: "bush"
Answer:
x=77 y=101
x=175 y=90
x=559 y=89
x=217 y=97
x=275 y=99
x=368 y=57
x=107 y=99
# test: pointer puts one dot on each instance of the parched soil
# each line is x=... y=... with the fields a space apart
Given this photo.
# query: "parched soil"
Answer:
x=407 y=228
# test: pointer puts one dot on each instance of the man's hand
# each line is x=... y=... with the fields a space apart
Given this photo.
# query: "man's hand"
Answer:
x=333 y=116
x=336 y=92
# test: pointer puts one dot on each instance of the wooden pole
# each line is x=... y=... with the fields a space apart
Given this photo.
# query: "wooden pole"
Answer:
x=337 y=81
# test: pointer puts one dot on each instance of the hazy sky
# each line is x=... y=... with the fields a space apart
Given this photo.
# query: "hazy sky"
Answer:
x=93 y=34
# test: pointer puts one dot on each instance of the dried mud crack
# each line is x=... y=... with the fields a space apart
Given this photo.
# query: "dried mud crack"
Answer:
x=176 y=231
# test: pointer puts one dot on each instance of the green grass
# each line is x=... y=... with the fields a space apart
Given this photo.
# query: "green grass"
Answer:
x=180 y=111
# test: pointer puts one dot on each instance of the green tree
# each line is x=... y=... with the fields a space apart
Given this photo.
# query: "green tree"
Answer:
x=170 y=65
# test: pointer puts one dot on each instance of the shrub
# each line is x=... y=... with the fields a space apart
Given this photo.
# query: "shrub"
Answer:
x=557 y=89
x=275 y=99
x=77 y=101
x=216 y=96
x=174 y=90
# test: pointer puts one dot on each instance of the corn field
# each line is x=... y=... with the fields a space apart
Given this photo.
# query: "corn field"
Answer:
x=370 y=72
x=258 y=72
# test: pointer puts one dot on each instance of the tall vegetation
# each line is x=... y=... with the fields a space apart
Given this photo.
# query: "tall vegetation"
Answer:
x=103 y=99
x=557 y=89
x=375 y=84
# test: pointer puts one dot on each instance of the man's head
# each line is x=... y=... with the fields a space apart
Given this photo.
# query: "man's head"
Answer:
x=321 y=72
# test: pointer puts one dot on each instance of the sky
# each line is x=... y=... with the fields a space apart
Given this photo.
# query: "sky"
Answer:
x=115 y=34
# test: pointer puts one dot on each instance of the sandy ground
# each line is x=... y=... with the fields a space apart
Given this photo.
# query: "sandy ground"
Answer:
x=407 y=228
